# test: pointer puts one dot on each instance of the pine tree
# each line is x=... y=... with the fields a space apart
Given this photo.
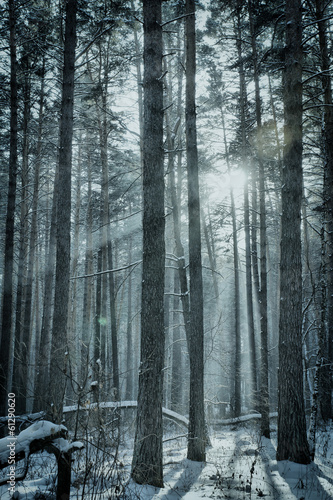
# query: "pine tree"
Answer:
x=7 y=298
x=196 y=432
x=292 y=441
x=147 y=466
x=59 y=351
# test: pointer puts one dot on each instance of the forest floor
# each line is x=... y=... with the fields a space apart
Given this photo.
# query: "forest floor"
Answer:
x=240 y=465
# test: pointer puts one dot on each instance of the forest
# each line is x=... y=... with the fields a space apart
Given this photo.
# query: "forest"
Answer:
x=166 y=249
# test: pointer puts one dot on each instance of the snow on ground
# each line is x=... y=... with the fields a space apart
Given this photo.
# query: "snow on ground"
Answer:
x=239 y=466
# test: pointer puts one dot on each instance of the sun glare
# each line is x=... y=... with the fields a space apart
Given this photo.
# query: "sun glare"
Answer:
x=235 y=179
x=219 y=186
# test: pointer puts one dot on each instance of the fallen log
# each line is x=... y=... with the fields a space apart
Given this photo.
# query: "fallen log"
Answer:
x=123 y=405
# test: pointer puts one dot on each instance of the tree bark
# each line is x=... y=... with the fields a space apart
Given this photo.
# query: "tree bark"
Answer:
x=236 y=384
x=60 y=314
x=236 y=394
x=31 y=257
x=114 y=332
x=7 y=298
x=129 y=395
x=248 y=266
x=87 y=324
x=20 y=340
x=292 y=440
x=264 y=388
x=147 y=465
x=176 y=374
x=326 y=368
x=138 y=58
x=211 y=257
x=74 y=332
x=196 y=431
x=44 y=354
x=97 y=347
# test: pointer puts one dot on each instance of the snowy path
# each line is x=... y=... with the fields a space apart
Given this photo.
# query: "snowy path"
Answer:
x=239 y=466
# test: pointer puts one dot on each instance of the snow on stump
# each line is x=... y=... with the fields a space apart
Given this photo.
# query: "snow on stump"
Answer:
x=43 y=435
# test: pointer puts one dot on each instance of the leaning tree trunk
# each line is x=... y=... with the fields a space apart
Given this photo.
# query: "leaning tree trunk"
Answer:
x=7 y=297
x=196 y=431
x=292 y=440
x=147 y=465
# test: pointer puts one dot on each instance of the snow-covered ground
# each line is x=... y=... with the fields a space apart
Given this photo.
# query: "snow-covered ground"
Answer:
x=239 y=466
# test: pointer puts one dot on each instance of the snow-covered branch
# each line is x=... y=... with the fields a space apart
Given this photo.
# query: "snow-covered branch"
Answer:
x=43 y=435
x=177 y=18
x=107 y=271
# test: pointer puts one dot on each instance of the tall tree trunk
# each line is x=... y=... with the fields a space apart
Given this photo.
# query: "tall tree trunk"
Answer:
x=138 y=58
x=275 y=269
x=176 y=373
x=210 y=250
x=236 y=385
x=236 y=395
x=104 y=315
x=103 y=137
x=180 y=287
x=248 y=265
x=114 y=332
x=264 y=391
x=129 y=330
x=326 y=368
x=62 y=275
x=167 y=312
x=254 y=231
x=34 y=335
x=175 y=196
x=147 y=466
x=20 y=341
x=249 y=298
x=7 y=298
x=73 y=331
x=97 y=330
x=196 y=431
x=87 y=325
x=44 y=354
x=31 y=256
x=107 y=246
x=292 y=440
